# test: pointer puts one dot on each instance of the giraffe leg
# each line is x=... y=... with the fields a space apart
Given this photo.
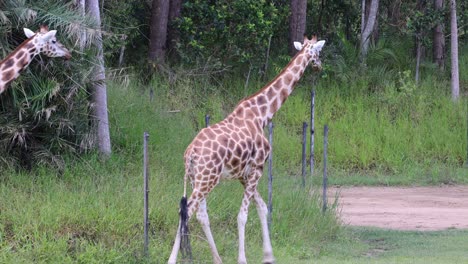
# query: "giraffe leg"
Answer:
x=193 y=204
x=242 y=218
x=262 y=211
x=175 y=249
x=202 y=216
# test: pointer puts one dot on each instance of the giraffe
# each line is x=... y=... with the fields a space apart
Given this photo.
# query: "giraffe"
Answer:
x=43 y=41
x=236 y=148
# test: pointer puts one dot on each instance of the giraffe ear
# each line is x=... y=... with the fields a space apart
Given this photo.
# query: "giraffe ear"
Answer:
x=29 y=33
x=318 y=46
x=297 y=45
x=47 y=36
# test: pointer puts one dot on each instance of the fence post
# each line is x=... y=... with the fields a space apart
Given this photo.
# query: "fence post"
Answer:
x=325 y=177
x=207 y=120
x=270 y=174
x=312 y=132
x=466 y=163
x=146 y=191
x=304 y=145
x=151 y=94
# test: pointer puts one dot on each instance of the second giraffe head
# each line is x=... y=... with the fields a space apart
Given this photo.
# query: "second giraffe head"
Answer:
x=45 y=42
x=312 y=50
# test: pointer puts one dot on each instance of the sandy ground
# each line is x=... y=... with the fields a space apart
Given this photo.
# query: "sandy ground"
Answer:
x=412 y=208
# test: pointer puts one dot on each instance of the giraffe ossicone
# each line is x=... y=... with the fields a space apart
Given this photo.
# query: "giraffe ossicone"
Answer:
x=236 y=148
x=43 y=41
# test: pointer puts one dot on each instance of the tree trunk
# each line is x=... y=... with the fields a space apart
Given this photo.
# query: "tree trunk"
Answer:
x=81 y=7
x=438 y=44
x=297 y=23
x=455 y=83
x=99 y=87
x=175 y=9
x=348 y=29
x=367 y=25
x=319 y=23
x=418 y=58
x=375 y=32
x=394 y=13
x=158 y=30
x=363 y=15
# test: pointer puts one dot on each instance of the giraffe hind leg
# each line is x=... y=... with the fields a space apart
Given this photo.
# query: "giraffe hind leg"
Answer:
x=182 y=241
x=184 y=230
x=182 y=236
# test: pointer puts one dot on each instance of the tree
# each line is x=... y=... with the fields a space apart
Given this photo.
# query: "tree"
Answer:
x=420 y=23
x=172 y=31
x=438 y=43
x=368 y=20
x=99 y=90
x=158 y=30
x=297 y=23
x=455 y=83
x=48 y=104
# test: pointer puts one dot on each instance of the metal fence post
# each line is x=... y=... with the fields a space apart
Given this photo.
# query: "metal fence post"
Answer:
x=207 y=120
x=146 y=191
x=325 y=177
x=270 y=174
x=304 y=145
x=312 y=132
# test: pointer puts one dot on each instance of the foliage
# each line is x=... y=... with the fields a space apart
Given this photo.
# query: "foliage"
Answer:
x=230 y=31
x=45 y=111
x=333 y=19
x=124 y=24
x=420 y=21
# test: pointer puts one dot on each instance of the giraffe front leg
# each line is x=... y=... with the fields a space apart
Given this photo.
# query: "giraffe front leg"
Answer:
x=262 y=210
x=202 y=216
x=250 y=188
x=241 y=221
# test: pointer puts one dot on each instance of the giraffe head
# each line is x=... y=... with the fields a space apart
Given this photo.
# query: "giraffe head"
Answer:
x=45 y=42
x=312 y=50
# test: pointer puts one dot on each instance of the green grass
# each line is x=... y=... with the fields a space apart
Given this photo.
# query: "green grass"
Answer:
x=92 y=211
x=369 y=245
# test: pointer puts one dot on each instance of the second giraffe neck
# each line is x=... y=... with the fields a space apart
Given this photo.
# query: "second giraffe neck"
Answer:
x=11 y=66
x=262 y=105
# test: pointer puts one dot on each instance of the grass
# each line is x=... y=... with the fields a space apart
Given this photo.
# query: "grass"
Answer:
x=91 y=212
x=369 y=245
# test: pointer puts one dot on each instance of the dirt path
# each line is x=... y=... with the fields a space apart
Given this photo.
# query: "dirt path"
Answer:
x=412 y=208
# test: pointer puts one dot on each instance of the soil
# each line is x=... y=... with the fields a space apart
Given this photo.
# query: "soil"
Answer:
x=411 y=208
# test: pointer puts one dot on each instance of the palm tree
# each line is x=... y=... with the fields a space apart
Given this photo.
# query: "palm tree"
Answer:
x=46 y=112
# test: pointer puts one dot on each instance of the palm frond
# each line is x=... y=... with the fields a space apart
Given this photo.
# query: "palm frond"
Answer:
x=77 y=28
x=45 y=112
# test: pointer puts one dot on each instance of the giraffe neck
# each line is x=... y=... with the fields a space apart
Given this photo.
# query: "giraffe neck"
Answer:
x=19 y=59
x=262 y=105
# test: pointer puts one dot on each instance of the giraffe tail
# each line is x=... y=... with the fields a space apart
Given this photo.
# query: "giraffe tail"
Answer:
x=185 y=247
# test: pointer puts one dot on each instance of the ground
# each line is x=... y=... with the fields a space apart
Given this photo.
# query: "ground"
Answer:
x=411 y=208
